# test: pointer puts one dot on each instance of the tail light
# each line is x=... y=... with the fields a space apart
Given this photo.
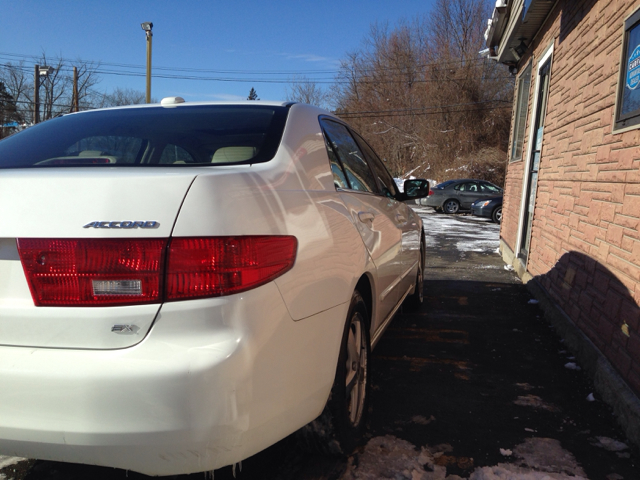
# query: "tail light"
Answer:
x=216 y=266
x=109 y=272
x=430 y=192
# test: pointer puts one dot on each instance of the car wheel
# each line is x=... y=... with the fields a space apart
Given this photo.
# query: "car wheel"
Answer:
x=340 y=427
x=415 y=300
x=496 y=216
x=451 y=206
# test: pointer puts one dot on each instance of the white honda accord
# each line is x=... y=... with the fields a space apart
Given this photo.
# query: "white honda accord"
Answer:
x=184 y=284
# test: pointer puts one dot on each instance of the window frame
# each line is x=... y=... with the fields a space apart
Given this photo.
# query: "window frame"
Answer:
x=322 y=120
x=521 y=114
x=629 y=121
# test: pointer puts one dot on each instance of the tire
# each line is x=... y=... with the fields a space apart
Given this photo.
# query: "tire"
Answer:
x=340 y=427
x=496 y=216
x=414 y=301
x=451 y=206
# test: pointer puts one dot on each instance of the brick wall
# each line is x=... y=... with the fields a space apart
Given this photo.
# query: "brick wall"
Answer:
x=585 y=240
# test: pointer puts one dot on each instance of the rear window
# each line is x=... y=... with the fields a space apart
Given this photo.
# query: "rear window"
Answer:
x=151 y=136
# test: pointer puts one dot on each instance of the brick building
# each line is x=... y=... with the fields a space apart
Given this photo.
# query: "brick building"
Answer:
x=571 y=216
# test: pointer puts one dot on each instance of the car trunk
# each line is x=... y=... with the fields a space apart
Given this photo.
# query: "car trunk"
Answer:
x=82 y=205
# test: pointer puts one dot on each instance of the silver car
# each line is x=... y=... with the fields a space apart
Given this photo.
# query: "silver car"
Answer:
x=455 y=195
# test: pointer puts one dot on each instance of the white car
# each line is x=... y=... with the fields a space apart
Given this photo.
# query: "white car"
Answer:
x=184 y=284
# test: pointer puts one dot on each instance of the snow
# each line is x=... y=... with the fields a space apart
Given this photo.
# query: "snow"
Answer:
x=389 y=457
x=591 y=398
x=462 y=230
x=533 y=301
x=7 y=461
x=609 y=444
x=572 y=366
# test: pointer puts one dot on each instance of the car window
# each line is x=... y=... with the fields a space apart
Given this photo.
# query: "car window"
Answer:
x=339 y=178
x=180 y=136
x=468 y=187
x=175 y=154
x=445 y=184
x=357 y=171
x=385 y=180
x=489 y=188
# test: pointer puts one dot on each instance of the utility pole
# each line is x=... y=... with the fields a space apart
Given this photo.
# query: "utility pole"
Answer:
x=36 y=95
x=75 y=106
x=147 y=26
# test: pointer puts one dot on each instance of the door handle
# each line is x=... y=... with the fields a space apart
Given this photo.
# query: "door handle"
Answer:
x=366 y=217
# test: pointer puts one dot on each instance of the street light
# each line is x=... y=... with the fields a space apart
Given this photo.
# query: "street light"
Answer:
x=41 y=72
x=147 y=26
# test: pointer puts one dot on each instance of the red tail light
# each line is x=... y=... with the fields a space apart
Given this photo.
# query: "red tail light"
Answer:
x=216 y=266
x=430 y=192
x=107 y=272
x=93 y=272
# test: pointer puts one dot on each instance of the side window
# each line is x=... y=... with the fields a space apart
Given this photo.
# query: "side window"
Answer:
x=488 y=188
x=339 y=179
x=175 y=154
x=467 y=187
x=355 y=166
x=385 y=180
x=520 y=122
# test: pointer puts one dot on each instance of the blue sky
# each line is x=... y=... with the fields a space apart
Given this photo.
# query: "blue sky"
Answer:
x=232 y=40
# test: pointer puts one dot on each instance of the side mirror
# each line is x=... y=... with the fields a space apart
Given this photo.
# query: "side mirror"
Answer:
x=417 y=188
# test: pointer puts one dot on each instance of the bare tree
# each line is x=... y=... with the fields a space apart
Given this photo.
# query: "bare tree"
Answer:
x=20 y=87
x=302 y=89
x=124 y=96
x=424 y=98
x=56 y=88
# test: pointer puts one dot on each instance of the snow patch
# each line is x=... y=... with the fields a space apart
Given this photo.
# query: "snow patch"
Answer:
x=389 y=457
x=572 y=366
x=547 y=455
x=609 y=444
x=5 y=461
x=533 y=301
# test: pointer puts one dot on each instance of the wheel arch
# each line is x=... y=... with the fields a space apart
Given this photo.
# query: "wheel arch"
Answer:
x=365 y=287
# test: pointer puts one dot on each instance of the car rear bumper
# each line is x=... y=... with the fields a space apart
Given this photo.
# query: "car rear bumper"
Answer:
x=432 y=201
x=198 y=393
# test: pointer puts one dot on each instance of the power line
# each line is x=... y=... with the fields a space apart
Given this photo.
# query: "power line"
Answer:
x=122 y=69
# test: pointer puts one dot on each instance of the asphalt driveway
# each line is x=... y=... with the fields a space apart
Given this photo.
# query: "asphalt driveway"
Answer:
x=475 y=385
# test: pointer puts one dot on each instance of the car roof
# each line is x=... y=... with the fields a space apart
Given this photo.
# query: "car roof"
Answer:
x=269 y=103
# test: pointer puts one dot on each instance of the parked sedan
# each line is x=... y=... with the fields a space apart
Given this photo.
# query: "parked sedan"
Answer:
x=184 y=284
x=455 y=195
x=491 y=208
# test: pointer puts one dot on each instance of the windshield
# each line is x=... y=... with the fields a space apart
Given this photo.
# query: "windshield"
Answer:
x=151 y=136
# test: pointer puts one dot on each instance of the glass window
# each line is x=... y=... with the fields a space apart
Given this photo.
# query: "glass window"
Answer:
x=385 y=180
x=489 y=188
x=150 y=136
x=628 y=100
x=175 y=154
x=467 y=187
x=339 y=179
x=346 y=149
x=522 y=107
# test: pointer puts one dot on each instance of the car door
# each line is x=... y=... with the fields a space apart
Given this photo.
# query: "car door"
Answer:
x=468 y=192
x=489 y=190
x=404 y=217
x=374 y=214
